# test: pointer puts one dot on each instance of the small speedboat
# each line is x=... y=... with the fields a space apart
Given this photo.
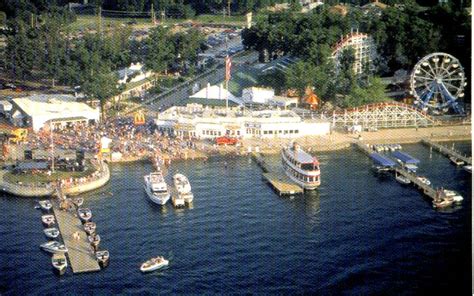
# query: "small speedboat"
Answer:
x=456 y=161
x=103 y=258
x=51 y=232
x=468 y=168
x=89 y=227
x=424 y=180
x=48 y=220
x=54 y=247
x=154 y=264
x=59 y=263
x=85 y=214
x=442 y=203
x=453 y=195
x=94 y=239
x=183 y=187
x=45 y=205
x=78 y=201
x=402 y=179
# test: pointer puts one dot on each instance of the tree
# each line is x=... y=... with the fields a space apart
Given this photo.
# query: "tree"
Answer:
x=21 y=50
x=299 y=76
x=102 y=86
x=186 y=48
x=159 y=50
x=373 y=93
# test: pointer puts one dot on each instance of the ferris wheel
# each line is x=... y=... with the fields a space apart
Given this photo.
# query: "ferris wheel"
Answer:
x=437 y=82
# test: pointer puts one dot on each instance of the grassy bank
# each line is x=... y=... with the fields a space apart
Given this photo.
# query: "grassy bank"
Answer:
x=43 y=178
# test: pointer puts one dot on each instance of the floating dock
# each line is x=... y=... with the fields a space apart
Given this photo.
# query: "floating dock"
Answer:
x=447 y=151
x=80 y=253
x=277 y=178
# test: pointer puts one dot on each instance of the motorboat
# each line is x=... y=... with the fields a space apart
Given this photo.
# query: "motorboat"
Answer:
x=424 y=180
x=103 y=258
x=59 y=263
x=89 y=227
x=51 y=232
x=442 y=203
x=183 y=187
x=402 y=179
x=48 y=220
x=301 y=167
x=45 y=205
x=85 y=214
x=468 y=168
x=154 y=264
x=456 y=161
x=178 y=201
x=78 y=201
x=54 y=247
x=156 y=188
x=94 y=239
x=455 y=196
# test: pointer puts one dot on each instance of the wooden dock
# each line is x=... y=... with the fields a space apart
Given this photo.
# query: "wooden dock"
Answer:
x=427 y=189
x=276 y=177
x=80 y=253
x=447 y=151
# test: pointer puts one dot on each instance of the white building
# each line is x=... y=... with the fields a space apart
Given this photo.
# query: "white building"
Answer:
x=194 y=120
x=36 y=111
x=257 y=95
x=364 y=47
x=216 y=93
x=136 y=72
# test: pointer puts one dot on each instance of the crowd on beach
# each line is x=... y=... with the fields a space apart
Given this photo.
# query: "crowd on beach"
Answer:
x=126 y=138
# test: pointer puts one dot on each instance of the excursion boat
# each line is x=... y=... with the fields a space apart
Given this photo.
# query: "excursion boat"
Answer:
x=301 y=167
x=59 y=263
x=154 y=264
x=51 y=232
x=103 y=258
x=402 y=179
x=85 y=214
x=183 y=187
x=78 y=201
x=89 y=227
x=424 y=180
x=455 y=196
x=468 y=168
x=45 y=205
x=156 y=188
x=456 y=161
x=48 y=220
x=54 y=247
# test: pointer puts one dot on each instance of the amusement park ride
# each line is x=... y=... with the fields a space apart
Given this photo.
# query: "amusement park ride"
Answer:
x=437 y=83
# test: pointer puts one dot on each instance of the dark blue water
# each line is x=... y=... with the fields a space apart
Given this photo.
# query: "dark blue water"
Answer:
x=358 y=234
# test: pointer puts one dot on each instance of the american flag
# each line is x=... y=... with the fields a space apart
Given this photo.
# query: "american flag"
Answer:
x=228 y=65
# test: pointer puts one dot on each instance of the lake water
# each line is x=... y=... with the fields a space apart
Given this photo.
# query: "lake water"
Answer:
x=358 y=234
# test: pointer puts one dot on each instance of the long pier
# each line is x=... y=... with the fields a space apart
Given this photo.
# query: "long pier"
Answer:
x=427 y=189
x=276 y=178
x=447 y=151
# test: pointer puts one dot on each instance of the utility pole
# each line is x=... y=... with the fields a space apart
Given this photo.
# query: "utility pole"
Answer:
x=152 y=12
x=228 y=7
x=99 y=20
x=163 y=14
x=31 y=20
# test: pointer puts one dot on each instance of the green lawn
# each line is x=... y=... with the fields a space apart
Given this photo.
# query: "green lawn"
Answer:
x=43 y=178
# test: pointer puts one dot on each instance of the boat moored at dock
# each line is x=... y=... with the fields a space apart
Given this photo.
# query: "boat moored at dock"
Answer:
x=156 y=188
x=59 y=263
x=48 y=220
x=154 y=264
x=54 y=247
x=468 y=168
x=424 y=180
x=301 y=167
x=51 y=232
x=90 y=227
x=183 y=187
x=45 y=205
x=85 y=214
x=402 y=179
x=406 y=161
x=456 y=161
x=78 y=201
x=382 y=163
x=103 y=258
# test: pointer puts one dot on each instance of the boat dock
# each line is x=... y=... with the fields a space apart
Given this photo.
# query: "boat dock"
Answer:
x=447 y=151
x=277 y=178
x=80 y=253
x=427 y=189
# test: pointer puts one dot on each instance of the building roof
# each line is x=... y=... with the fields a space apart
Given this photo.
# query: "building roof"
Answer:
x=215 y=92
x=52 y=106
x=404 y=157
x=382 y=160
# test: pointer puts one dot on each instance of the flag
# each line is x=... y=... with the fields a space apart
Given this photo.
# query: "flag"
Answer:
x=228 y=65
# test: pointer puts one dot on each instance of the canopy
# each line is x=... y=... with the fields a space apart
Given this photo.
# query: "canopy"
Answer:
x=382 y=160
x=405 y=157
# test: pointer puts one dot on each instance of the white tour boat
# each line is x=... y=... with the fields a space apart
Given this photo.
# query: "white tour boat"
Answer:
x=51 y=232
x=154 y=264
x=183 y=187
x=59 y=263
x=48 y=220
x=301 y=167
x=54 y=247
x=45 y=205
x=156 y=188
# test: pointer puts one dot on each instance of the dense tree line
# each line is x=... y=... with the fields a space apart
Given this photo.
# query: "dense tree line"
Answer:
x=402 y=36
